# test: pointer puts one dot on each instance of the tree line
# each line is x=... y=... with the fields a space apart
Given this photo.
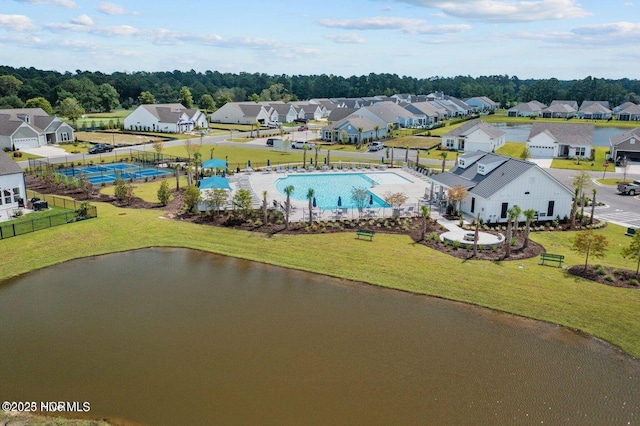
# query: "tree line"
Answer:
x=97 y=91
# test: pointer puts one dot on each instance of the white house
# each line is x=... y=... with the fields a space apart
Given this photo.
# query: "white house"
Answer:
x=474 y=135
x=25 y=128
x=495 y=183
x=482 y=103
x=244 y=113
x=12 y=186
x=626 y=144
x=561 y=109
x=551 y=140
x=526 y=109
x=165 y=118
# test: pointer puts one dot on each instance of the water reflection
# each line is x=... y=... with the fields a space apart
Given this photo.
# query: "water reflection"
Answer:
x=170 y=336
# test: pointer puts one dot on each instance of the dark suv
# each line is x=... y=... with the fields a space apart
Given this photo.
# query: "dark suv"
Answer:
x=100 y=148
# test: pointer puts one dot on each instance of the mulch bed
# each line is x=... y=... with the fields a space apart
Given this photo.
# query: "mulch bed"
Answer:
x=606 y=275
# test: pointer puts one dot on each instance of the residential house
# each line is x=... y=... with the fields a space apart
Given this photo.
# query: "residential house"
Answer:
x=391 y=115
x=496 y=183
x=352 y=129
x=595 y=110
x=165 y=118
x=12 y=186
x=561 y=109
x=622 y=106
x=431 y=113
x=244 y=113
x=626 y=145
x=286 y=112
x=551 y=140
x=25 y=128
x=526 y=109
x=474 y=135
x=308 y=110
x=630 y=113
x=339 y=114
x=482 y=103
x=327 y=105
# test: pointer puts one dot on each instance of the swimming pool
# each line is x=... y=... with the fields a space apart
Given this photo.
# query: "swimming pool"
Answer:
x=329 y=187
x=108 y=173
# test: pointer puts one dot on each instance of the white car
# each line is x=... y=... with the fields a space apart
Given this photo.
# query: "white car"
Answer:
x=376 y=146
x=301 y=145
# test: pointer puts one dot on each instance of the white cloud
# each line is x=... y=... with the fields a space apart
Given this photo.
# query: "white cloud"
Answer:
x=441 y=29
x=375 y=23
x=350 y=38
x=506 y=10
x=113 y=9
x=608 y=34
x=82 y=20
x=67 y=4
x=20 y=23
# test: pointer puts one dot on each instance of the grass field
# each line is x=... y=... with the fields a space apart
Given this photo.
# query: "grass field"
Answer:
x=520 y=287
x=591 y=166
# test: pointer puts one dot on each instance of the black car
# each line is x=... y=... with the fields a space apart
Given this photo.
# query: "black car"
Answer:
x=100 y=148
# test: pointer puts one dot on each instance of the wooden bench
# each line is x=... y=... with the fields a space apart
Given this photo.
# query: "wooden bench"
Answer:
x=365 y=233
x=631 y=232
x=548 y=257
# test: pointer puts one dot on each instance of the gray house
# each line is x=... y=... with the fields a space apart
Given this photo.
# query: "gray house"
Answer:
x=12 y=186
x=26 y=128
x=626 y=145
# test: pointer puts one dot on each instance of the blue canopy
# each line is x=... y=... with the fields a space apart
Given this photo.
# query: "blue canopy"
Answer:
x=214 y=182
x=215 y=163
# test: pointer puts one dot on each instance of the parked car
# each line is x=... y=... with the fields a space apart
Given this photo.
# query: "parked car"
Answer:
x=302 y=144
x=630 y=188
x=376 y=146
x=100 y=148
x=303 y=128
x=273 y=124
x=270 y=141
x=301 y=120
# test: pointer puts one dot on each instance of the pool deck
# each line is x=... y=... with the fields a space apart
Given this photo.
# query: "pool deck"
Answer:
x=262 y=181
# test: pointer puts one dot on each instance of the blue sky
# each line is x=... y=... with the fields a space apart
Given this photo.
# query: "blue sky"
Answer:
x=566 y=39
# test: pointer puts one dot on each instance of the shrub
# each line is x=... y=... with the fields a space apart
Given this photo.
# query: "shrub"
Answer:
x=608 y=278
x=633 y=281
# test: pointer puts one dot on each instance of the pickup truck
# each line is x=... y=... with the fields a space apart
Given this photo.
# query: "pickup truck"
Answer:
x=632 y=188
x=100 y=148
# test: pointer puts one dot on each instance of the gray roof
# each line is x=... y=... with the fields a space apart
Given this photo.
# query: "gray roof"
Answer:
x=338 y=114
x=487 y=185
x=166 y=113
x=528 y=106
x=594 y=107
x=566 y=134
x=8 y=166
x=585 y=104
x=622 y=137
x=471 y=125
x=632 y=109
x=11 y=119
x=559 y=107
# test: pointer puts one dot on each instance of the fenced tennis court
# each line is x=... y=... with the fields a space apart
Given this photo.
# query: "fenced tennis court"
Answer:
x=108 y=173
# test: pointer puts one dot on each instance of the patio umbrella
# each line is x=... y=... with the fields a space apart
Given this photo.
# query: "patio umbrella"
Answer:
x=248 y=164
x=268 y=162
x=214 y=182
x=339 y=201
x=371 y=199
x=314 y=202
x=214 y=163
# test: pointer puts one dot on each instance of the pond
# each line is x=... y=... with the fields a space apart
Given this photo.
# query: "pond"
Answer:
x=172 y=336
x=520 y=132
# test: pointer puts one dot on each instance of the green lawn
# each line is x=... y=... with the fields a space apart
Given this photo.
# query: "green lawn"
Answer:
x=512 y=149
x=594 y=166
x=520 y=287
x=36 y=221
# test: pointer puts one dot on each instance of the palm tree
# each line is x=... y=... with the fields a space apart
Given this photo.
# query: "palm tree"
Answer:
x=305 y=148
x=264 y=206
x=197 y=160
x=287 y=205
x=443 y=154
x=424 y=212
x=593 y=204
x=310 y=194
x=476 y=236
x=317 y=148
x=360 y=129
x=377 y=129
x=255 y=124
x=517 y=211
x=511 y=217
x=530 y=215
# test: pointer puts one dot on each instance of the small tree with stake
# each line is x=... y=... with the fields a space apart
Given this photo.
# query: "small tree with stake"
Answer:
x=590 y=244
x=633 y=251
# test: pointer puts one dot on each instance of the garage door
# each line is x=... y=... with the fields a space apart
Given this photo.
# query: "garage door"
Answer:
x=25 y=143
x=631 y=155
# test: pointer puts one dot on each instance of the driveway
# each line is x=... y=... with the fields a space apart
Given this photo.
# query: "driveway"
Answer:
x=46 y=151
